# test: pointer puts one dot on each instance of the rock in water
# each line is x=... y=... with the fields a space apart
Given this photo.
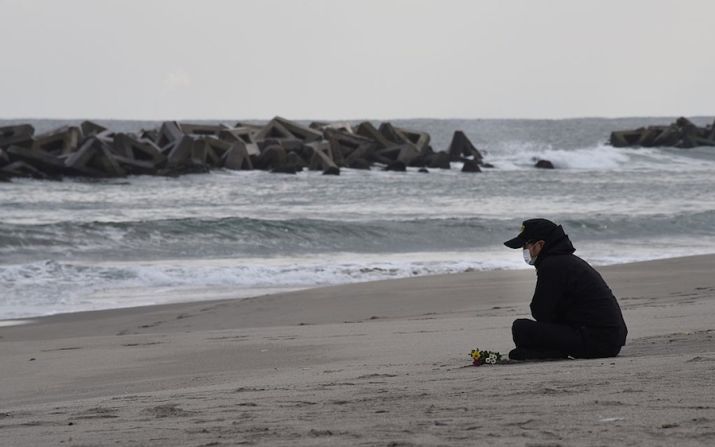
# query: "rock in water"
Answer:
x=332 y=170
x=544 y=164
x=396 y=166
x=471 y=166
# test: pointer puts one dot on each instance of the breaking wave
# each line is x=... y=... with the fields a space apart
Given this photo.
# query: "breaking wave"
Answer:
x=245 y=237
x=523 y=155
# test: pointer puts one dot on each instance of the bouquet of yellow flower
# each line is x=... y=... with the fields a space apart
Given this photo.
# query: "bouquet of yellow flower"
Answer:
x=480 y=357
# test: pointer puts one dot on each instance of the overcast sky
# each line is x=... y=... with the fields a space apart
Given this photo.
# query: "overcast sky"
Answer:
x=335 y=59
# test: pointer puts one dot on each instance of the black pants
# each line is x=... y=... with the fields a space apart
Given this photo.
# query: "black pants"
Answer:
x=561 y=339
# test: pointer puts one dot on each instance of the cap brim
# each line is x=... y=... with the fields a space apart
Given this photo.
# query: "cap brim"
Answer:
x=517 y=242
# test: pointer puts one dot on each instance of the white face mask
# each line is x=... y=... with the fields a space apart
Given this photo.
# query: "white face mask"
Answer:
x=527 y=257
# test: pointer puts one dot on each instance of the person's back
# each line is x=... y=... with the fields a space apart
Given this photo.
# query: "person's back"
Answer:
x=575 y=312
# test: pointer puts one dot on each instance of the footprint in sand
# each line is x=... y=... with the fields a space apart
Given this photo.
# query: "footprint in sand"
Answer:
x=166 y=411
x=98 y=413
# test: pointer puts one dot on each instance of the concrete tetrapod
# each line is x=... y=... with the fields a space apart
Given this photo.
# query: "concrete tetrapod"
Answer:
x=460 y=147
x=49 y=164
x=62 y=141
x=94 y=159
x=20 y=135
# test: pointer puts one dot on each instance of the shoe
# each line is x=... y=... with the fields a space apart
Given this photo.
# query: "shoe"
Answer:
x=535 y=354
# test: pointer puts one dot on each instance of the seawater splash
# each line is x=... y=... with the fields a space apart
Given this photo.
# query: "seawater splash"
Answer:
x=523 y=156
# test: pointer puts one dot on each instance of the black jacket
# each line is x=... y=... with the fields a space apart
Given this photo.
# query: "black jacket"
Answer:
x=569 y=291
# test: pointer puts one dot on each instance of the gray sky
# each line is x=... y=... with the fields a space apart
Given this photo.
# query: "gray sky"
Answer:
x=335 y=59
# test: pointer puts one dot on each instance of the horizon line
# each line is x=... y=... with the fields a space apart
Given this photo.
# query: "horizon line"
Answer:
x=424 y=118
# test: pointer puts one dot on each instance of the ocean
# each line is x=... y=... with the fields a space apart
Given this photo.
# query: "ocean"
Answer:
x=80 y=245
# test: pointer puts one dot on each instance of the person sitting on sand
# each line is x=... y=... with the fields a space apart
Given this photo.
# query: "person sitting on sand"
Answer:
x=575 y=312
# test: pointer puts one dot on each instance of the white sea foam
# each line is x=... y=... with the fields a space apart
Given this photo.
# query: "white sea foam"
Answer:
x=49 y=287
x=6 y=323
x=599 y=158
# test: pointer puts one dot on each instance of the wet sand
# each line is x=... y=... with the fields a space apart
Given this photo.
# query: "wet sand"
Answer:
x=382 y=363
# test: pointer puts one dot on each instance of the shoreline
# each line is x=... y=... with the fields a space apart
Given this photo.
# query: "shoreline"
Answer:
x=367 y=364
x=258 y=292
x=519 y=282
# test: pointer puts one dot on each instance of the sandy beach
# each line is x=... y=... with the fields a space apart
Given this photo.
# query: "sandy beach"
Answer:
x=382 y=363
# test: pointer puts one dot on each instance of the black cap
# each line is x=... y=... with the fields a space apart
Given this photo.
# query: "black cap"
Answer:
x=532 y=230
